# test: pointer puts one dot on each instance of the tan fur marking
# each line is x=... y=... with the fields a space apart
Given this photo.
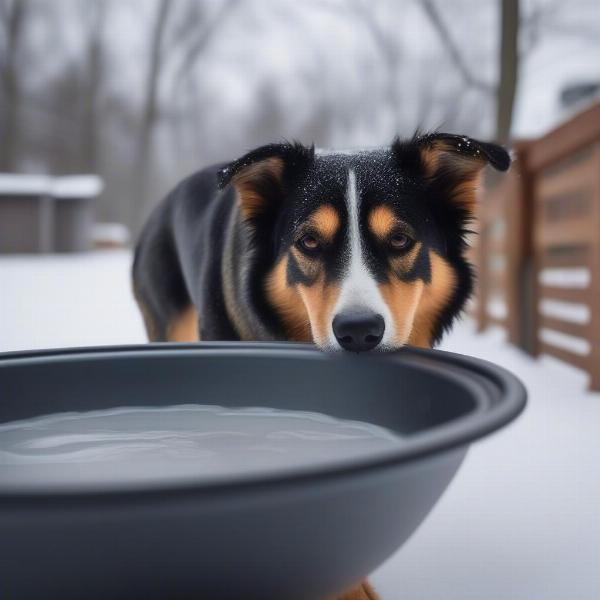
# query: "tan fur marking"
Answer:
x=467 y=167
x=402 y=299
x=326 y=221
x=234 y=311
x=288 y=304
x=185 y=327
x=382 y=221
x=434 y=298
x=152 y=330
x=319 y=299
x=364 y=591
x=250 y=200
x=440 y=150
x=306 y=311
x=465 y=194
x=430 y=158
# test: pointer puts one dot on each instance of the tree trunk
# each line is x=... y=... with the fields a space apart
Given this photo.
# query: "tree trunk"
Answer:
x=89 y=130
x=390 y=52
x=149 y=116
x=9 y=119
x=509 y=68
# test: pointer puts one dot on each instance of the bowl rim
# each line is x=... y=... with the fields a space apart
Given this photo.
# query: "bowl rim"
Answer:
x=469 y=372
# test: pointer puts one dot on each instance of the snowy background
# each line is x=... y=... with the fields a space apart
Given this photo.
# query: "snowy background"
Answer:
x=145 y=91
x=142 y=92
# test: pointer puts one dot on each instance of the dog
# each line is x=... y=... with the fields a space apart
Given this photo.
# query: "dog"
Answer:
x=355 y=251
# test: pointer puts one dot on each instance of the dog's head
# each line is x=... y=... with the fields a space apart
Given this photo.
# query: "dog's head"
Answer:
x=363 y=250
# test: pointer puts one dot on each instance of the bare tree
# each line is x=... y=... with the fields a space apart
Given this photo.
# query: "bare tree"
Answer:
x=149 y=111
x=12 y=17
x=198 y=43
x=508 y=61
x=386 y=41
x=187 y=83
x=95 y=14
x=469 y=78
x=194 y=41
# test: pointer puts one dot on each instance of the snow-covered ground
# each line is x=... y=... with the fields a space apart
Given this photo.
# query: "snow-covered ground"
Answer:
x=67 y=300
x=521 y=521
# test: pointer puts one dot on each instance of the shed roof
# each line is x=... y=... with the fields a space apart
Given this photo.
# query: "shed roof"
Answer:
x=70 y=186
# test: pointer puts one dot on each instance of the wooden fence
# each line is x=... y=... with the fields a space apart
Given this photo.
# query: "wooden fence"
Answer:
x=538 y=252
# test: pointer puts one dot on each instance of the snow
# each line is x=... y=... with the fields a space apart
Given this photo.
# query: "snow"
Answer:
x=521 y=519
x=23 y=184
x=70 y=186
x=111 y=233
x=572 y=343
x=76 y=186
x=577 y=277
x=67 y=300
x=574 y=312
x=496 y=307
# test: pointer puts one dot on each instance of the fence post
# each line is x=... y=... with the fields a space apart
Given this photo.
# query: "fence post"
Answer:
x=594 y=358
x=510 y=197
x=482 y=278
x=525 y=294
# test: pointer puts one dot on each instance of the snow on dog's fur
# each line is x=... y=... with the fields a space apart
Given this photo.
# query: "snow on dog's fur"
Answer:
x=351 y=250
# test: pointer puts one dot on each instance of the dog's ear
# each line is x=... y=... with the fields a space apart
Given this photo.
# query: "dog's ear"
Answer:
x=452 y=163
x=260 y=177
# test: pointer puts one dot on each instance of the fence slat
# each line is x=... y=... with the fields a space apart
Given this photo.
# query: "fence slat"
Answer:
x=564 y=257
x=496 y=321
x=498 y=284
x=566 y=139
x=575 y=329
x=545 y=215
x=581 y=362
x=570 y=182
x=496 y=245
x=576 y=295
x=565 y=232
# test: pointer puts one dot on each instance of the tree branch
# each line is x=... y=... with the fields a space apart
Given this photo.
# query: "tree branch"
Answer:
x=195 y=49
x=149 y=111
x=4 y=13
x=469 y=78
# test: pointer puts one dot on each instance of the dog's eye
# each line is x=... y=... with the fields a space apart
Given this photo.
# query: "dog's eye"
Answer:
x=400 y=241
x=309 y=243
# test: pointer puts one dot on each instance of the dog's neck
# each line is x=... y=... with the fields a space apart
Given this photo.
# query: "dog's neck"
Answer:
x=243 y=288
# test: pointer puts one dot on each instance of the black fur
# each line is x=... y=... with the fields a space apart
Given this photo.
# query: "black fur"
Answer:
x=198 y=249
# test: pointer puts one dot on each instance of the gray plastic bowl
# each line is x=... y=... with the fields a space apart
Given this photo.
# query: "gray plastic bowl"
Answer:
x=300 y=534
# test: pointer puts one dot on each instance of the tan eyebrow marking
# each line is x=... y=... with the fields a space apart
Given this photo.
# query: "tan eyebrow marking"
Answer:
x=326 y=221
x=382 y=221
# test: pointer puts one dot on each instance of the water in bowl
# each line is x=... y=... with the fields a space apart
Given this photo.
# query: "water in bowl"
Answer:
x=175 y=443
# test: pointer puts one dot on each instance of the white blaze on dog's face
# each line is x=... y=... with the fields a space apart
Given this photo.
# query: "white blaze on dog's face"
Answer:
x=367 y=247
x=361 y=319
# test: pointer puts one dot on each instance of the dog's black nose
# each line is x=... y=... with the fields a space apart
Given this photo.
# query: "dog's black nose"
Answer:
x=358 y=332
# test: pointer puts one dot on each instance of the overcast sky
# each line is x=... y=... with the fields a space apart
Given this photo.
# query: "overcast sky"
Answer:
x=341 y=73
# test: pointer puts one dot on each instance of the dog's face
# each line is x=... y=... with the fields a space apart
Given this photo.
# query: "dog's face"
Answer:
x=363 y=251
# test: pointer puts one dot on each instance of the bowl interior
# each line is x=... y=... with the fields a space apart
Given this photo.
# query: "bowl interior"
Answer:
x=405 y=395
